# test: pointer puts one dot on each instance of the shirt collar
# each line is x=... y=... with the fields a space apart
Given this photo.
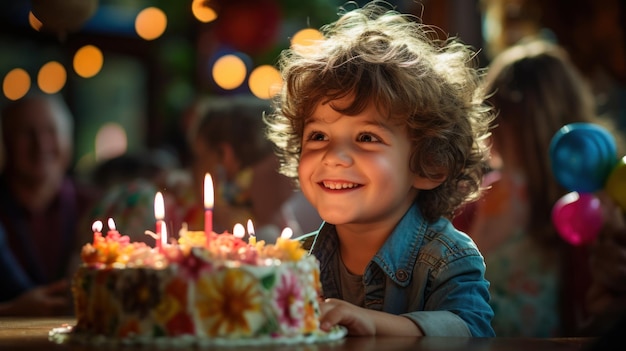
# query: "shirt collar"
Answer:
x=398 y=253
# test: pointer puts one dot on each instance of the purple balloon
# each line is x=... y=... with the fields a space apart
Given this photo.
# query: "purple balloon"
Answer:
x=578 y=217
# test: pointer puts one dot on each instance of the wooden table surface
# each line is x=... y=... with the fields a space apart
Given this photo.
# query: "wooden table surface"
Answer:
x=32 y=334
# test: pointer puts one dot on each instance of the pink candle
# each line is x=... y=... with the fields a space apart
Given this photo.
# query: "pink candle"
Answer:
x=97 y=230
x=159 y=214
x=208 y=206
x=112 y=228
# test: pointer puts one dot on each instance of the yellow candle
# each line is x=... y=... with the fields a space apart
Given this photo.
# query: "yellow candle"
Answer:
x=251 y=235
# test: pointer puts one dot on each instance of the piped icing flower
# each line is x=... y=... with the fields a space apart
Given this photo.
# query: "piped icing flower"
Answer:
x=230 y=303
x=289 y=302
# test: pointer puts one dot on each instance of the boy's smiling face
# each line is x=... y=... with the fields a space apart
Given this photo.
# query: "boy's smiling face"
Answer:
x=355 y=169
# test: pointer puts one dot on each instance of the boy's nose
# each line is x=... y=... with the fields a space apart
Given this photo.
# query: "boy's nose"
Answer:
x=338 y=154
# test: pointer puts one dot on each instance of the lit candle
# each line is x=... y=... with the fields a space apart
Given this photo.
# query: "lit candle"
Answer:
x=112 y=228
x=208 y=205
x=97 y=228
x=251 y=235
x=159 y=214
x=286 y=233
x=239 y=231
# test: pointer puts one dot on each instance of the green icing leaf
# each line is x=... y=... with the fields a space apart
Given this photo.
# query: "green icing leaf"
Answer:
x=269 y=328
x=268 y=281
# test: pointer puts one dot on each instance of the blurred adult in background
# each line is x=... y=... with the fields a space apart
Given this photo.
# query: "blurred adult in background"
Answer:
x=539 y=283
x=40 y=206
x=228 y=141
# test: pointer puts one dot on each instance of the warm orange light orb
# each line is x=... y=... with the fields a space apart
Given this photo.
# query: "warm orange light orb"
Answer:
x=229 y=72
x=88 y=61
x=34 y=22
x=150 y=23
x=52 y=77
x=202 y=11
x=16 y=84
x=304 y=38
x=265 y=81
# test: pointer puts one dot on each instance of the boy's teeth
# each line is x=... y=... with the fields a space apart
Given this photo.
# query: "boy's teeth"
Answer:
x=333 y=185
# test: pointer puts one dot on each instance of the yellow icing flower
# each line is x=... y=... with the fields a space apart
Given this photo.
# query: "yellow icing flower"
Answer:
x=188 y=239
x=230 y=303
x=290 y=250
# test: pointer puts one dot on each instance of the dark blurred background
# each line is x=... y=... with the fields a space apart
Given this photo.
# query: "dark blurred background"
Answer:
x=135 y=97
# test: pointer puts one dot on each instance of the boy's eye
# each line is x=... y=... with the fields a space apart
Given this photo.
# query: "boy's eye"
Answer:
x=316 y=136
x=367 y=138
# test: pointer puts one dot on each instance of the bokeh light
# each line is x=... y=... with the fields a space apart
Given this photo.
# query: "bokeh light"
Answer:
x=265 y=81
x=304 y=38
x=88 y=61
x=202 y=11
x=150 y=23
x=51 y=77
x=34 y=22
x=229 y=72
x=111 y=141
x=16 y=84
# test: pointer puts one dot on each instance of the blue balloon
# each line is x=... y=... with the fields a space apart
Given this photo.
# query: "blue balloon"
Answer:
x=582 y=156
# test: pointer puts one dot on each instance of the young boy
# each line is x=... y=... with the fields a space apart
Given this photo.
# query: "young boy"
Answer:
x=383 y=128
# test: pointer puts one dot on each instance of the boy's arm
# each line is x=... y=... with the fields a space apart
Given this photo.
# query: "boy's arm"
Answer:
x=363 y=322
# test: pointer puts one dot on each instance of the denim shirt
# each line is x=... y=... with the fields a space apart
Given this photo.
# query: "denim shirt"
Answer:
x=430 y=273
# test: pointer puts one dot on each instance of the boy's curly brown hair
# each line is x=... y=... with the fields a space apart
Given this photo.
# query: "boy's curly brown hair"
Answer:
x=374 y=53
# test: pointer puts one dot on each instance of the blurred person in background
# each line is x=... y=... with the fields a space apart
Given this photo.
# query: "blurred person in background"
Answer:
x=541 y=286
x=228 y=141
x=40 y=206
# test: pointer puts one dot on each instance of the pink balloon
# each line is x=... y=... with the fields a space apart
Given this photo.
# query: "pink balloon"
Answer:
x=578 y=217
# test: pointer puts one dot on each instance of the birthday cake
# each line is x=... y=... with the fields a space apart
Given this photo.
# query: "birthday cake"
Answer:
x=200 y=289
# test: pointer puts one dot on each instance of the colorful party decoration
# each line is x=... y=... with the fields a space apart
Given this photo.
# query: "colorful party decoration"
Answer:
x=582 y=156
x=578 y=217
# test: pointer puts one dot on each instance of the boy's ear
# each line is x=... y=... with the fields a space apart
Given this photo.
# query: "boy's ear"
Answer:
x=423 y=183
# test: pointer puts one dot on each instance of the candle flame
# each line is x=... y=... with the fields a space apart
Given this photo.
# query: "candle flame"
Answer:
x=286 y=233
x=208 y=191
x=250 y=228
x=239 y=231
x=96 y=226
x=111 y=224
x=159 y=207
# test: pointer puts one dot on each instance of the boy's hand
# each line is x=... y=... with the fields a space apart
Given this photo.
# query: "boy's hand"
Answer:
x=338 y=312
